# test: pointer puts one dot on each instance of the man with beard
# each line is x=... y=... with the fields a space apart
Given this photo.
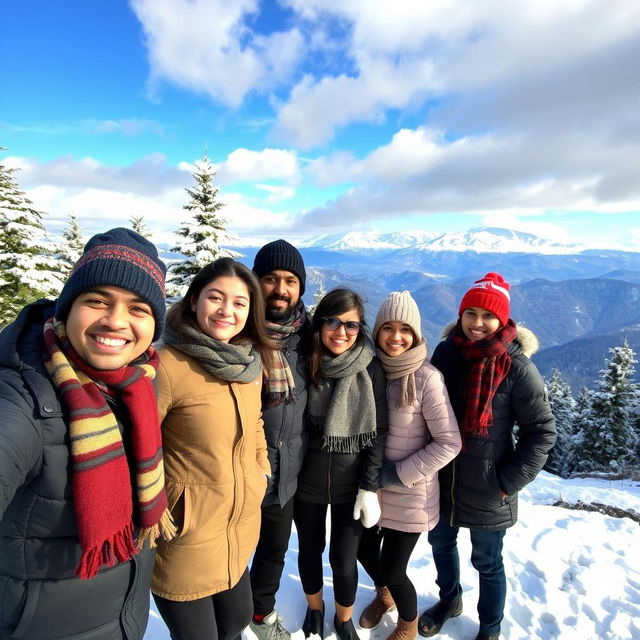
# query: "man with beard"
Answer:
x=280 y=270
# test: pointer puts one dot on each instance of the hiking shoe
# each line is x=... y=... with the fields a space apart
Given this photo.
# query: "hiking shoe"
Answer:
x=373 y=612
x=345 y=630
x=434 y=617
x=313 y=624
x=270 y=628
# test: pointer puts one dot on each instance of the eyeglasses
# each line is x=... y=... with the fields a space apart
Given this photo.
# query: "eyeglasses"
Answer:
x=351 y=327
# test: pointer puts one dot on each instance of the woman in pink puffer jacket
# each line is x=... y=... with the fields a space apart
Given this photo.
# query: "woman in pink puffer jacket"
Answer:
x=423 y=437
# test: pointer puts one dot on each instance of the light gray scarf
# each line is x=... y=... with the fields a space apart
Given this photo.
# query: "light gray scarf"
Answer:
x=403 y=367
x=228 y=362
x=343 y=406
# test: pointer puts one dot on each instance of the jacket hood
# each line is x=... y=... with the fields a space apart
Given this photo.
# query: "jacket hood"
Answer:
x=527 y=339
x=20 y=341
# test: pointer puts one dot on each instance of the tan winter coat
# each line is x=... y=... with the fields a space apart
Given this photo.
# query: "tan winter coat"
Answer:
x=216 y=465
x=422 y=439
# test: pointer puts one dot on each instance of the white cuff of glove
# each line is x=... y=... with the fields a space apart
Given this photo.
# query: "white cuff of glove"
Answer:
x=367 y=508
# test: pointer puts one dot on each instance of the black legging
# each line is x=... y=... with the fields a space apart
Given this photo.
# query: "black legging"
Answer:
x=310 y=519
x=384 y=554
x=219 y=617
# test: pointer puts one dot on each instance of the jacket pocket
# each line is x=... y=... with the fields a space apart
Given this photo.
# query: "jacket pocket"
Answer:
x=180 y=507
x=30 y=605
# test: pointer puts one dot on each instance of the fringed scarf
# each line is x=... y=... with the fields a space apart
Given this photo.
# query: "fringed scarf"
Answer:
x=279 y=385
x=343 y=406
x=403 y=367
x=228 y=362
x=100 y=476
x=489 y=364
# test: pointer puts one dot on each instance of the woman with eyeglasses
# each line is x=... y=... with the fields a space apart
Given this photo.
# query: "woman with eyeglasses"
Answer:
x=347 y=429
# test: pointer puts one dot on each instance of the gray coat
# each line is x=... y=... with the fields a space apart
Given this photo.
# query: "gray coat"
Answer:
x=284 y=425
x=40 y=597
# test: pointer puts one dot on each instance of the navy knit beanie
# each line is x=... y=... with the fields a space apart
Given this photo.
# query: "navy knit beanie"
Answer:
x=118 y=258
x=279 y=254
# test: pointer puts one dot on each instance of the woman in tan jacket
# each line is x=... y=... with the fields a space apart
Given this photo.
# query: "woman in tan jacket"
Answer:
x=215 y=457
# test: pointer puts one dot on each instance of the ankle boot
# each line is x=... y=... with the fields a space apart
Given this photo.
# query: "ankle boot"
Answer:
x=345 y=630
x=373 y=612
x=434 y=617
x=405 y=630
x=313 y=624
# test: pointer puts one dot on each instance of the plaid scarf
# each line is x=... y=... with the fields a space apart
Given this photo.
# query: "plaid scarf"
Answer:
x=100 y=476
x=279 y=385
x=489 y=364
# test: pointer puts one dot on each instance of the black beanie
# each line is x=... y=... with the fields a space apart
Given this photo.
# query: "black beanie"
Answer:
x=118 y=258
x=280 y=254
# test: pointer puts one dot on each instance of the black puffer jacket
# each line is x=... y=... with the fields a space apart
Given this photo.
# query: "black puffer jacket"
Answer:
x=40 y=598
x=328 y=477
x=471 y=485
x=284 y=425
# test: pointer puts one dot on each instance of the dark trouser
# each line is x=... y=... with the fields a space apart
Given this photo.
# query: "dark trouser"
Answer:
x=385 y=554
x=310 y=519
x=486 y=557
x=268 y=560
x=219 y=617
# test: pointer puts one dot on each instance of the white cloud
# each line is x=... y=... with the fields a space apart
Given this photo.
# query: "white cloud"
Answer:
x=126 y=126
x=207 y=46
x=276 y=193
x=268 y=164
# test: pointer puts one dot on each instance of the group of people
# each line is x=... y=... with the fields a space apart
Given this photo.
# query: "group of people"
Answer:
x=141 y=452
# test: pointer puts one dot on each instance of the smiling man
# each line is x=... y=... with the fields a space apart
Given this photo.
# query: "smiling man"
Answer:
x=82 y=484
x=280 y=270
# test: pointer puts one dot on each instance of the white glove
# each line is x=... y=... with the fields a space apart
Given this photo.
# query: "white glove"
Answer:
x=367 y=508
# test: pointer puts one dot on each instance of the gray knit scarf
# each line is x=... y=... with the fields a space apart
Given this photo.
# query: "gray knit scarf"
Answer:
x=228 y=362
x=343 y=406
x=403 y=367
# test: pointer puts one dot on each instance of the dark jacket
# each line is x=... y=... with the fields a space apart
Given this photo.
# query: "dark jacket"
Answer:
x=284 y=424
x=40 y=598
x=329 y=477
x=471 y=485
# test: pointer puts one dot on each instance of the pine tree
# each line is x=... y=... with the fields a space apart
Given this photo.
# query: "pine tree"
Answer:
x=138 y=225
x=317 y=296
x=582 y=421
x=563 y=406
x=28 y=268
x=609 y=439
x=203 y=231
x=72 y=246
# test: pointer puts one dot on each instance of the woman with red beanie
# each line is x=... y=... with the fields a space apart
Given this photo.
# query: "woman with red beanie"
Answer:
x=492 y=385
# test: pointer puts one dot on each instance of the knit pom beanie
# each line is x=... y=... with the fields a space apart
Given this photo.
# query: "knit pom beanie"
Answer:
x=401 y=307
x=118 y=258
x=490 y=293
x=280 y=254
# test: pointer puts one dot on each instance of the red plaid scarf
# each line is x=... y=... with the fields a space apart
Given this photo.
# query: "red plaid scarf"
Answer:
x=489 y=364
x=100 y=480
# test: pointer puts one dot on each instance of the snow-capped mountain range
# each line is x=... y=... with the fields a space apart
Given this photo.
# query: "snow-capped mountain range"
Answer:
x=480 y=240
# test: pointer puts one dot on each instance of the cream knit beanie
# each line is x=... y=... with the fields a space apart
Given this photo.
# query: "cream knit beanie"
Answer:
x=401 y=307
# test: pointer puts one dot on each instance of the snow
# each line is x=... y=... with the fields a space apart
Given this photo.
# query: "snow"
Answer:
x=572 y=575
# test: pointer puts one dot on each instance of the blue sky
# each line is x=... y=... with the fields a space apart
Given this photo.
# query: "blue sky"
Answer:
x=327 y=116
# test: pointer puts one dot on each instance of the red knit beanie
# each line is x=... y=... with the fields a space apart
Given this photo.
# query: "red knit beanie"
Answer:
x=490 y=293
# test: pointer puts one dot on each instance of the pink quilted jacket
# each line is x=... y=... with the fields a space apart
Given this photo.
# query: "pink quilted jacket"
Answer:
x=422 y=439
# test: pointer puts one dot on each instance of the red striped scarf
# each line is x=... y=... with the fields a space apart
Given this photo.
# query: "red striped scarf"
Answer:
x=100 y=476
x=489 y=364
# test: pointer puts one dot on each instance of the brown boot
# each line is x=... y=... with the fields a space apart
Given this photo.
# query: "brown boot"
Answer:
x=373 y=612
x=405 y=630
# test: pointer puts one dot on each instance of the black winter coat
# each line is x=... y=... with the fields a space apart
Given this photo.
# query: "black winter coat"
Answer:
x=40 y=598
x=284 y=425
x=330 y=477
x=471 y=485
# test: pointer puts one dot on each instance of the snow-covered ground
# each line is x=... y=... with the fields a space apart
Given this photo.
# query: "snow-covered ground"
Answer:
x=572 y=575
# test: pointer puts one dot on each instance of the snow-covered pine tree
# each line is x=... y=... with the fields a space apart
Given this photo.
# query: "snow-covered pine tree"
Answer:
x=71 y=247
x=28 y=267
x=138 y=225
x=563 y=406
x=203 y=231
x=609 y=439
x=320 y=293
